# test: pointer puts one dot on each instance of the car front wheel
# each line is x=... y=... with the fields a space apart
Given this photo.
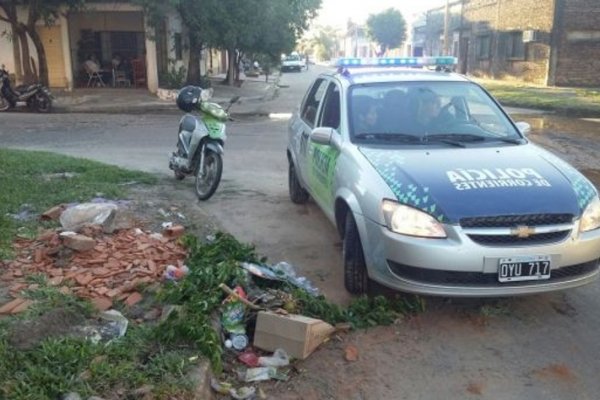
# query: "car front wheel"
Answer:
x=356 y=278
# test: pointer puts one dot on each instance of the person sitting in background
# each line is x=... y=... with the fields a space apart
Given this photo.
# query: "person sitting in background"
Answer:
x=92 y=64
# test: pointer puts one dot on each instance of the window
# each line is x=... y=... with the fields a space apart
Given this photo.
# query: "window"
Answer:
x=311 y=104
x=178 y=46
x=330 y=117
x=483 y=47
x=516 y=47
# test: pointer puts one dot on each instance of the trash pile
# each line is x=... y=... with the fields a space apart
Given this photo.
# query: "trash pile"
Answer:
x=94 y=256
x=260 y=332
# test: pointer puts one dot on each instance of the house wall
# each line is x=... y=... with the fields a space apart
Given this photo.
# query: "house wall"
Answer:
x=498 y=20
x=7 y=56
x=578 y=58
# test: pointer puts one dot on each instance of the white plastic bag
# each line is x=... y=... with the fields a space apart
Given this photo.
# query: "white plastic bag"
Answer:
x=76 y=217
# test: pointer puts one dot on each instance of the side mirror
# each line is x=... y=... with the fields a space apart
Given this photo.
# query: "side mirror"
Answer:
x=325 y=136
x=524 y=128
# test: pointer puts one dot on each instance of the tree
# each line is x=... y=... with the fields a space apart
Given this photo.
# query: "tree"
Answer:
x=47 y=11
x=387 y=28
x=324 y=42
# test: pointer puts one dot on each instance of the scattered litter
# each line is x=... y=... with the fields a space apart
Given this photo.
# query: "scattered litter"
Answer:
x=180 y=215
x=53 y=213
x=283 y=272
x=239 y=341
x=59 y=175
x=167 y=225
x=164 y=213
x=211 y=238
x=279 y=359
x=173 y=231
x=113 y=325
x=259 y=374
x=351 y=353
x=287 y=272
x=243 y=393
x=228 y=344
x=117 y=322
x=232 y=318
x=71 y=396
x=250 y=359
x=220 y=387
x=173 y=273
x=76 y=217
x=26 y=213
x=260 y=271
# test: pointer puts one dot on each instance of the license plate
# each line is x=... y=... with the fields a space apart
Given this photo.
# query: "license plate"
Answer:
x=528 y=268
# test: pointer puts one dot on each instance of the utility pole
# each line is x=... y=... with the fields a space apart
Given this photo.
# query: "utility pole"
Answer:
x=447 y=29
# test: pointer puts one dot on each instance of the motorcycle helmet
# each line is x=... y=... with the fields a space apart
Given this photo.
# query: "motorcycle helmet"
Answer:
x=189 y=98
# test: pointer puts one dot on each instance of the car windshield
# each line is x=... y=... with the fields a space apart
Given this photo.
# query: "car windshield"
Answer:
x=448 y=113
x=292 y=58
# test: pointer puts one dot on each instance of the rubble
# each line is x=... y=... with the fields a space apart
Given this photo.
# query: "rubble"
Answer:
x=104 y=268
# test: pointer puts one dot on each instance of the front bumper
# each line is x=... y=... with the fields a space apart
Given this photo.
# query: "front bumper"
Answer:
x=460 y=267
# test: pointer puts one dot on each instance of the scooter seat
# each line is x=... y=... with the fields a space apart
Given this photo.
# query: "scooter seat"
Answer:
x=26 y=88
x=188 y=123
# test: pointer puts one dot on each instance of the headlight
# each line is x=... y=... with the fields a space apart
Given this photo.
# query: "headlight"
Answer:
x=590 y=219
x=410 y=221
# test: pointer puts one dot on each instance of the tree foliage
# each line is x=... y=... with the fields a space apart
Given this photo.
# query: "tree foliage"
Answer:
x=259 y=27
x=387 y=28
x=47 y=11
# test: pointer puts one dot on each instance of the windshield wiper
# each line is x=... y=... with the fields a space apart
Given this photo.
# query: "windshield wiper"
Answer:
x=469 y=137
x=396 y=137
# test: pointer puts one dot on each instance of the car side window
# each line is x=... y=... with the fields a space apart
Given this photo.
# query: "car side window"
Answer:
x=312 y=102
x=330 y=114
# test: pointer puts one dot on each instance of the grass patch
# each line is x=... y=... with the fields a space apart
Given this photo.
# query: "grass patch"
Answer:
x=24 y=179
x=580 y=102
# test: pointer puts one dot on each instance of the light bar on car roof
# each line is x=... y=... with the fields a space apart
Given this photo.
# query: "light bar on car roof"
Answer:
x=396 y=62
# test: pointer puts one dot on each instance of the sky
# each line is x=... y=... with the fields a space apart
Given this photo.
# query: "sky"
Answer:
x=337 y=12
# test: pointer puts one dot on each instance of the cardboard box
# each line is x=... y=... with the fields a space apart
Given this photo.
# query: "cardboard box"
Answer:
x=298 y=335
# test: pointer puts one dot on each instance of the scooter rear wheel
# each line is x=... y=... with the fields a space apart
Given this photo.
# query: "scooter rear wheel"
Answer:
x=208 y=181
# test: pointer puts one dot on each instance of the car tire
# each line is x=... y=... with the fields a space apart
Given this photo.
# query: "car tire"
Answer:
x=356 y=278
x=298 y=194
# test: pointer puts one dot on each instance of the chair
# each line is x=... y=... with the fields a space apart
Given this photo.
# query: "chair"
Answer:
x=139 y=72
x=120 y=78
x=93 y=73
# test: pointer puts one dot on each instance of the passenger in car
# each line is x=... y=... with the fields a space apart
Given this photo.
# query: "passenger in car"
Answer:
x=425 y=110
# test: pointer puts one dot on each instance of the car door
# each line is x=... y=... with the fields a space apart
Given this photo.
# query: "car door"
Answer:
x=306 y=123
x=322 y=159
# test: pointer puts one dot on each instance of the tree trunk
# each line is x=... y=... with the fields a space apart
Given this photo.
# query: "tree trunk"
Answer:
x=231 y=69
x=25 y=61
x=42 y=61
x=193 y=74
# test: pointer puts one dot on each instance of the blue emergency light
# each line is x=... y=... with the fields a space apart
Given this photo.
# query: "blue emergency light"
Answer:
x=396 y=62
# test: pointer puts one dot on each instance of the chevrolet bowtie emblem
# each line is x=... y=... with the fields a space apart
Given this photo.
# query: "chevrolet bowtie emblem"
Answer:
x=522 y=231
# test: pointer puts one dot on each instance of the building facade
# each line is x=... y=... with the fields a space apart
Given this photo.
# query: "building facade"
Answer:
x=106 y=32
x=547 y=42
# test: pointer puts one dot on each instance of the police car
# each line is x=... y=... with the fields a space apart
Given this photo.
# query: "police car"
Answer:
x=434 y=189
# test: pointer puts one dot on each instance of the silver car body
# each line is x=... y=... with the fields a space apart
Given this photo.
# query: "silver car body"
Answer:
x=340 y=179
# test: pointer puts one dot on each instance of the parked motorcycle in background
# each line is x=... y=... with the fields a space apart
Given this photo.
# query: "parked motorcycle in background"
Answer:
x=36 y=96
x=200 y=140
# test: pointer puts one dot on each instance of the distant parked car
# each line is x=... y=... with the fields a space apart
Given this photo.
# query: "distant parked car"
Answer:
x=292 y=62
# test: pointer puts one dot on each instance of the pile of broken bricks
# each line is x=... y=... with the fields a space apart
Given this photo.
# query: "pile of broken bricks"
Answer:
x=91 y=264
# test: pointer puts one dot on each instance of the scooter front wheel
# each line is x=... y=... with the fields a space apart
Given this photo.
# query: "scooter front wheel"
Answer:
x=208 y=176
x=43 y=103
x=4 y=104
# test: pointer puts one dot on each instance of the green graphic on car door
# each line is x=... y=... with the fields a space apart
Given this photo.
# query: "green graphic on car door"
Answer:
x=322 y=162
